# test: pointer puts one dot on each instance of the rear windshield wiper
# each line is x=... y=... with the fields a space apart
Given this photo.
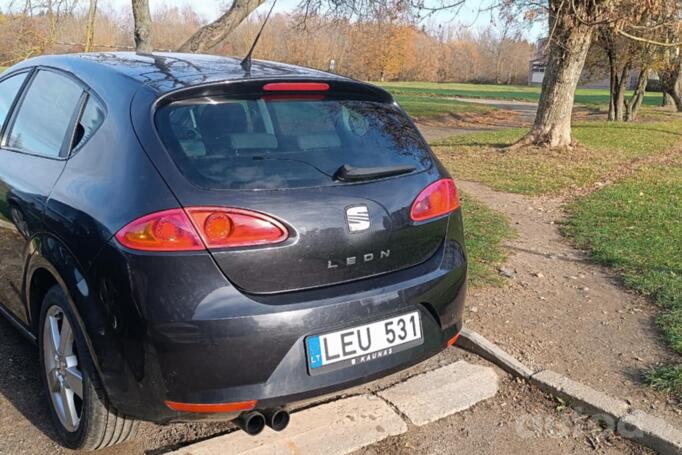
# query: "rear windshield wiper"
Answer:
x=347 y=173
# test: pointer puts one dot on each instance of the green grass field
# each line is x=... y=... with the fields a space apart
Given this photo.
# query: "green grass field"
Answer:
x=499 y=92
x=605 y=147
x=425 y=107
x=484 y=232
x=634 y=225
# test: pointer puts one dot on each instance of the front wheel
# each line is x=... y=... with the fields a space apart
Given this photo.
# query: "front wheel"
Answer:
x=83 y=417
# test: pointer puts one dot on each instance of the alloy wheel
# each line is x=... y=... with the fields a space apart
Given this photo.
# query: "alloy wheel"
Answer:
x=64 y=376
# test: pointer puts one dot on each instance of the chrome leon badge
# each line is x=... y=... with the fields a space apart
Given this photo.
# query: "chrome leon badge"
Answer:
x=358 y=218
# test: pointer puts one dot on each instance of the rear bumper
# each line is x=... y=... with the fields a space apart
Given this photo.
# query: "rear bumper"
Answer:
x=217 y=345
x=263 y=358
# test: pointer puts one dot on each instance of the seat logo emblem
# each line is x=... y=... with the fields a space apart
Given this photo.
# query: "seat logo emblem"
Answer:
x=358 y=218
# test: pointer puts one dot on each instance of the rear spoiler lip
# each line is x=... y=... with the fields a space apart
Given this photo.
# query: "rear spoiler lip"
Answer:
x=236 y=87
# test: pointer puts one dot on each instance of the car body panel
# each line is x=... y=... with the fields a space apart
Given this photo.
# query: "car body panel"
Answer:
x=23 y=195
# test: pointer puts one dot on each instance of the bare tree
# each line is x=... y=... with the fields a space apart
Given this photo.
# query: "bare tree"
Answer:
x=35 y=29
x=210 y=35
x=635 y=102
x=572 y=24
x=143 y=26
x=90 y=26
x=569 y=43
x=620 y=62
x=670 y=74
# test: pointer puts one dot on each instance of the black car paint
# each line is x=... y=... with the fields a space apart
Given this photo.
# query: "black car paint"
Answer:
x=172 y=326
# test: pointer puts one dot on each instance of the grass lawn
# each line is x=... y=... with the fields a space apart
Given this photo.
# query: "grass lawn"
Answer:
x=606 y=147
x=484 y=231
x=635 y=225
x=424 y=107
x=500 y=92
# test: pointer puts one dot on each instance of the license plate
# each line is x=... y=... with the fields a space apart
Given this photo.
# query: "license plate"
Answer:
x=364 y=343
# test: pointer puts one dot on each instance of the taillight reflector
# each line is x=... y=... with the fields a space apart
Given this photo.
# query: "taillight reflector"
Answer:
x=435 y=200
x=453 y=340
x=198 y=228
x=212 y=408
x=222 y=228
x=170 y=230
x=296 y=87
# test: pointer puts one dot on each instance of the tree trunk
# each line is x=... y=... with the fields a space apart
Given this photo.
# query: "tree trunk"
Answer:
x=90 y=27
x=635 y=101
x=666 y=101
x=671 y=80
x=569 y=46
x=613 y=82
x=619 y=93
x=677 y=99
x=143 y=26
x=210 y=35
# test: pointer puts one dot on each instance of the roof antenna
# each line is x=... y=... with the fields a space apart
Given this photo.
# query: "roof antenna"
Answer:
x=246 y=63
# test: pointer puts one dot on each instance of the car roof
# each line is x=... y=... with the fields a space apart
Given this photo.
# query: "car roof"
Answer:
x=164 y=72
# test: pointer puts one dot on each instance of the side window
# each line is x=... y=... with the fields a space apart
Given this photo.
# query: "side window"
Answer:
x=91 y=119
x=8 y=91
x=45 y=114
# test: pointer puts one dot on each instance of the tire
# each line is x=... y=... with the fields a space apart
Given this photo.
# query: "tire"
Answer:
x=82 y=415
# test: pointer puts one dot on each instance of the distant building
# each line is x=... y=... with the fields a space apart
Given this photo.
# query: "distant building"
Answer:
x=538 y=64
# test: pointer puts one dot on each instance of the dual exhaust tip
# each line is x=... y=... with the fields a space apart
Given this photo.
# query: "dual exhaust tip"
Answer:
x=254 y=422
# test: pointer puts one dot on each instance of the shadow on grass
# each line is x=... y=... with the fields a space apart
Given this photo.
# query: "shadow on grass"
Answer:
x=498 y=145
x=633 y=127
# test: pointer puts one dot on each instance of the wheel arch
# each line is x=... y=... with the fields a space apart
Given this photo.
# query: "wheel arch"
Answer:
x=51 y=263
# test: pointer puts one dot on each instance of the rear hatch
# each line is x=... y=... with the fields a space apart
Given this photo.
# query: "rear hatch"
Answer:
x=339 y=168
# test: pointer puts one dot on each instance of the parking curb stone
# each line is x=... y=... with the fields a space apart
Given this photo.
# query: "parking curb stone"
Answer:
x=339 y=427
x=477 y=344
x=431 y=396
x=584 y=398
x=652 y=432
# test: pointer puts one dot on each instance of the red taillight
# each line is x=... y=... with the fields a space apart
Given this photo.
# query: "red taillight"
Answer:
x=435 y=200
x=212 y=408
x=170 y=230
x=296 y=87
x=223 y=228
x=198 y=228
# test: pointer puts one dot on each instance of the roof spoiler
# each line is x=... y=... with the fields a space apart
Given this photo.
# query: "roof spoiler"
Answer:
x=255 y=87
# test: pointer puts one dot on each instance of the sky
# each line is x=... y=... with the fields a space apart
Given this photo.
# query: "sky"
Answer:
x=468 y=16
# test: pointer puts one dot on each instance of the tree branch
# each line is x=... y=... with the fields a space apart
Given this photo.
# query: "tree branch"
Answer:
x=647 y=40
x=210 y=35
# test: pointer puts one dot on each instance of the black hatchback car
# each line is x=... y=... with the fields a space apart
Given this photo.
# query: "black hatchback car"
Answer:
x=186 y=240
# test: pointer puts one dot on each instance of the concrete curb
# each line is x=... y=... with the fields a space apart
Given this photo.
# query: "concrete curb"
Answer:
x=445 y=391
x=581 y=397
x=475 y=343
x=635 y=425
x=652 y=432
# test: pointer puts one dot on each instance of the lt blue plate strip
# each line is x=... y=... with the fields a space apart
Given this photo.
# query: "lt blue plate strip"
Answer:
x=314 y=352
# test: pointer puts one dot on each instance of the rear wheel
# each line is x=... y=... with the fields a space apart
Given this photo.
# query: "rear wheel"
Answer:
x=83 y=417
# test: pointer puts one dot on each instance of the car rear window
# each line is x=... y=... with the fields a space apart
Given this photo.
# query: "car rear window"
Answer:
x=285 y=141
